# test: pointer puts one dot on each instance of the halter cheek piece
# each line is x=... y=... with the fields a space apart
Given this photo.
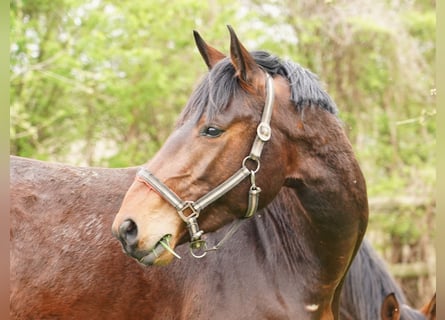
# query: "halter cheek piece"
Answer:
x=196 y=243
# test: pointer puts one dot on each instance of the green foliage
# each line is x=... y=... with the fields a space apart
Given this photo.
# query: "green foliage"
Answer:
x=100 y=72
x=398 y=224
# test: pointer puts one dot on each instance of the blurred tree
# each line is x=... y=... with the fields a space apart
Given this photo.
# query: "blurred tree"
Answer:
x=104 y=80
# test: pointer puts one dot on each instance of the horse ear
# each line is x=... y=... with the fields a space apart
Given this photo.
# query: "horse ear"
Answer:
x=429 y=310
x=390 y=308
x=210 y=55
x=242 y=60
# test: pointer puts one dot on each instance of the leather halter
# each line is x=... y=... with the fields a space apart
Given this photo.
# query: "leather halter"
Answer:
x=263 y=135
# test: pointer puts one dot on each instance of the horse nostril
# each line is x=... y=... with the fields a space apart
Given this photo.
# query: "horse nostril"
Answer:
x=128 y=232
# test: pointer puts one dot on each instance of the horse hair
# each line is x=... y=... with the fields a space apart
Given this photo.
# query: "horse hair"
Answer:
x=220 y=85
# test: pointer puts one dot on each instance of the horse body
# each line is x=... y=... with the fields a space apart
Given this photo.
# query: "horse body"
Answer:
x=65 y=264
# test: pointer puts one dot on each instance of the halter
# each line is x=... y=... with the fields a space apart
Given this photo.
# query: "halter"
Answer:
x=196 y=243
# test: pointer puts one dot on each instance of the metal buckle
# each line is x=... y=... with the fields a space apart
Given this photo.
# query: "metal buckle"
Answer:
x=188 y=205
x=193 y=228
x=264 y=131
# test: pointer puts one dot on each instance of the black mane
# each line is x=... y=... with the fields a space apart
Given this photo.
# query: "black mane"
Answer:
x=216 y=90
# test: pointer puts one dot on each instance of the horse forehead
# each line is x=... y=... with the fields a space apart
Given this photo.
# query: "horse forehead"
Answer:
x=182 y=133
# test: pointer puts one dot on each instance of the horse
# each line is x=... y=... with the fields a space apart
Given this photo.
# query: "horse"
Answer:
x=369 y=280
x=258 y=134
x=65 y=263
x=392 y=310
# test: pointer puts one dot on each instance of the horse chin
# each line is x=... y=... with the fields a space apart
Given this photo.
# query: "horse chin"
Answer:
x=162 y=259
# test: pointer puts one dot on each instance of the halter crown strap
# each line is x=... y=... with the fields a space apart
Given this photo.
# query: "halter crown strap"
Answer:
x=264 y=132
x=263 y=135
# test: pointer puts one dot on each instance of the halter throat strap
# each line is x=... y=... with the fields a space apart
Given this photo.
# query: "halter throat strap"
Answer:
x=263 y=135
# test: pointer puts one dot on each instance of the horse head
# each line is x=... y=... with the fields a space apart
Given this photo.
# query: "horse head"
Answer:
x=254 y=125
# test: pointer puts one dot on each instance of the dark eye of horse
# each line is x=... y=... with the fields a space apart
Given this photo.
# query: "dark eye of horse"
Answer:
x=211 y=132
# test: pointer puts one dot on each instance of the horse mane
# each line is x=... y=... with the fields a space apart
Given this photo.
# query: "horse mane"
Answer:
x=367 y=283
x=215 y=92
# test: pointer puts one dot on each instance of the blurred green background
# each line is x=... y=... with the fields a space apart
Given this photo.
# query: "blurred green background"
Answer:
x=100 y=83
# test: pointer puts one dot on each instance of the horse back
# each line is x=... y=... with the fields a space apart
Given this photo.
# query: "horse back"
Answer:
x=62 y=254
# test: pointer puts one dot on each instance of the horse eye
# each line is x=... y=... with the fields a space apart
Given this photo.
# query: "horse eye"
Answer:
x=212 y=132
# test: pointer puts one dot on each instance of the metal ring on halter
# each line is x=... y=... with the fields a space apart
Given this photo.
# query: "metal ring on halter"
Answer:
x=254 y=160
x=202 y=246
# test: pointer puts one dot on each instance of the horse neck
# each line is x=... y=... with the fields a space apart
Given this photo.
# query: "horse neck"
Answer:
x=281 y=238
x=329 y=188
x=279 y=235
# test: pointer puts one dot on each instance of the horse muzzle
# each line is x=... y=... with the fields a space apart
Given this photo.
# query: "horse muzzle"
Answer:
x=160 y=253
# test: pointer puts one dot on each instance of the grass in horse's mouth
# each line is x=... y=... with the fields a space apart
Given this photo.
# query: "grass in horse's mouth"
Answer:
x=165 y=242
x=161 y=246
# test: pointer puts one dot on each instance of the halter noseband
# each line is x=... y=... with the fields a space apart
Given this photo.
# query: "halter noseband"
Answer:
x=263 y=135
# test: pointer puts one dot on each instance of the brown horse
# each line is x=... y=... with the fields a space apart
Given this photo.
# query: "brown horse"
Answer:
x=65 y=264
x=257 y=133
x=393 y=310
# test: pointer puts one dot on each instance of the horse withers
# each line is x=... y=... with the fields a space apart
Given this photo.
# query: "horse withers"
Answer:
x=258 y=133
